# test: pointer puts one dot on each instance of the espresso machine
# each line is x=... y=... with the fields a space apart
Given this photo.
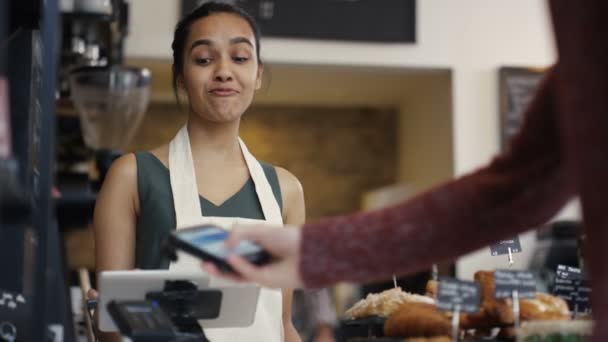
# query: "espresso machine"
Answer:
x=100 y=104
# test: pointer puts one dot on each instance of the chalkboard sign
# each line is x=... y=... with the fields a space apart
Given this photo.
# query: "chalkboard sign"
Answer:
x=583 y=296
x=502 y=247
x=517 y=87
x=509 y=281
x=460 y=294
x=566 y=283
x=388 y=21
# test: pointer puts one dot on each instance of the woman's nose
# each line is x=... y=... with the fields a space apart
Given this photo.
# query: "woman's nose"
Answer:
x=223 y=72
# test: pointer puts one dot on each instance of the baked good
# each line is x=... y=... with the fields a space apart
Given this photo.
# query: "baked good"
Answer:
x=431 y=288
x=551 y=331
x=543 y=307
x=500 y=311
x=429 y=339
x=384 y=303
x=417 y=320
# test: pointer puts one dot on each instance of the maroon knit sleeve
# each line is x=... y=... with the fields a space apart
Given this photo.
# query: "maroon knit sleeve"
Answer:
x=581 y=30
x=520 y=189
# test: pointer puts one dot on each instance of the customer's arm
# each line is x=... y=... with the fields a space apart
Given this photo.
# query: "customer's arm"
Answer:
x=519 y=190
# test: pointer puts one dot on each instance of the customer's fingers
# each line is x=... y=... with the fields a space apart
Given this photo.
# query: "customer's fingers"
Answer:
x=255 y=233
x=247 y=270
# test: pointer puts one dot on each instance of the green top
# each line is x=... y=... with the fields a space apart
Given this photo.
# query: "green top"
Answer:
x=157 y=212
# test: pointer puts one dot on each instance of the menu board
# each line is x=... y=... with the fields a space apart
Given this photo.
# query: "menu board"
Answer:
x=383 y=21
x=517 y=87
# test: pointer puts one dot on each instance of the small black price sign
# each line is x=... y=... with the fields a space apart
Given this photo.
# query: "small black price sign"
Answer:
x=507 y=282
x=582 y=300
x=503 y=246
x=458 y=295
x=566 y=283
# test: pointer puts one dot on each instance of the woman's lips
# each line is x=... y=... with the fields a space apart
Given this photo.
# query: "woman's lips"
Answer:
x=222 y=92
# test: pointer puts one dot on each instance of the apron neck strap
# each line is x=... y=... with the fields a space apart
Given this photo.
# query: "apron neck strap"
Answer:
x=270 y=207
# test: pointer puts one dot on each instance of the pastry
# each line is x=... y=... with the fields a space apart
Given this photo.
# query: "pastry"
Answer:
x=429 y=339
x=549 y=331
x=543 y=307
x=384 y=303
x=417 y=320
x=431 y=288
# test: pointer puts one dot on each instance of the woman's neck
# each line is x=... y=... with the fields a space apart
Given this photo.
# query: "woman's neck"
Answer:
x=214 y=142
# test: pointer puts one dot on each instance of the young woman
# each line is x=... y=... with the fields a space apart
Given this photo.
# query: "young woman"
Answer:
x=206 y=173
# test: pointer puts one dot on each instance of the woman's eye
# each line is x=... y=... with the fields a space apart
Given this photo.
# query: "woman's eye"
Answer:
x=240 y=59
x=202 y=61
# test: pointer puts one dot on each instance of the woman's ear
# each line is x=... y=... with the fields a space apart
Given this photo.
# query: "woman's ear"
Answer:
x=180 y=83
x=260 y=73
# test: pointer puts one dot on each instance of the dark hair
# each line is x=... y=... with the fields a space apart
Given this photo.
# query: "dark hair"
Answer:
x=183 y=29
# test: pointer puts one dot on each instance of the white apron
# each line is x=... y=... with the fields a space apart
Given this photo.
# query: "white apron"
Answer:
x=268 y=324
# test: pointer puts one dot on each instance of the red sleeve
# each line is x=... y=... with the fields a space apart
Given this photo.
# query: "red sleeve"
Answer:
x=581 y=31
x=518 y=190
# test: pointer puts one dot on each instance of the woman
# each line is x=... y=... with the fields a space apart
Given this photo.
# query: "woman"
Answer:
x=205 y=174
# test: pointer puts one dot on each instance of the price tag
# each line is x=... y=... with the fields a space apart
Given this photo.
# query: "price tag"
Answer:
x=566 y=283
x=508 y=282
x=503 y=246
x=458 y=295
x=582 y=301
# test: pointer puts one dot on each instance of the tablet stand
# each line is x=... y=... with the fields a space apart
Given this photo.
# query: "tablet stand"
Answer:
x=186 y=304
x=180 y=301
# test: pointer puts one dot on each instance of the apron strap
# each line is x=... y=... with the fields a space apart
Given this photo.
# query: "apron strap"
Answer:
x=270 y=206
x=183 y=180
x=185 y=190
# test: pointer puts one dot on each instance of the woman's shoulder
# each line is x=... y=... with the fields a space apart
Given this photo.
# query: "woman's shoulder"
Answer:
x=288 y=181
x=124 y=167
x=293 y=195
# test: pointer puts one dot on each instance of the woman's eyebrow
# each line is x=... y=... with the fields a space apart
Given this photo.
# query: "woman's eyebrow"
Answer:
x=208 y=42
x=200 y=42
x=239 y=40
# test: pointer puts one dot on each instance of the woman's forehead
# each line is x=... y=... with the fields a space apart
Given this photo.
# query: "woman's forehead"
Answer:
x=220 y=27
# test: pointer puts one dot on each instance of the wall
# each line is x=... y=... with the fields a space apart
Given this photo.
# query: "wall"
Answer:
x=426 y=153
x=336 y=153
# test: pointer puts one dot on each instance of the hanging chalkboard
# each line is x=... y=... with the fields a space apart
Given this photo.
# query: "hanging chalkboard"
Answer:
x=386 y=21
x=517 y=87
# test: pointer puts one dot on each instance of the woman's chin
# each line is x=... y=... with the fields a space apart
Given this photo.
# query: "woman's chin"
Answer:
x=221 y=118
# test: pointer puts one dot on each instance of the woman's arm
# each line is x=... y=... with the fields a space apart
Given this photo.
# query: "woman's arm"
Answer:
x=116 y=216
x=294 y=213
x=114 y=221
x=520 y=189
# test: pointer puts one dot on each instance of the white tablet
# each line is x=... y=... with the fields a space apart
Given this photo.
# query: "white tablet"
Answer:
x=239 y=301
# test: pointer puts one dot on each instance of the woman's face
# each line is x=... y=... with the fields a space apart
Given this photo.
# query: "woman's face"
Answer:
x=221 y=70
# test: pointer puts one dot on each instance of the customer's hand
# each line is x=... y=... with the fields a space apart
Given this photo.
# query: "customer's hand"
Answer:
x=283 y=243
